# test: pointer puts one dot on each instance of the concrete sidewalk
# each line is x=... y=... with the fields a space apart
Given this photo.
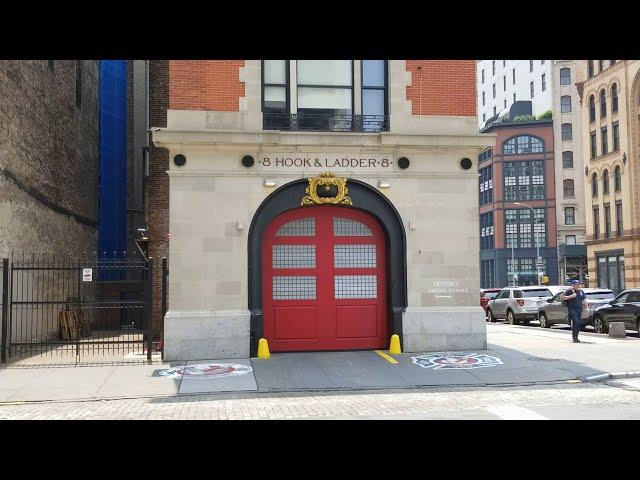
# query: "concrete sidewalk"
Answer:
x=516 y=356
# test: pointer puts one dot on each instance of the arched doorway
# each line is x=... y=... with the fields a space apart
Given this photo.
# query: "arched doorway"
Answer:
x=365 y=199
x=324 y=280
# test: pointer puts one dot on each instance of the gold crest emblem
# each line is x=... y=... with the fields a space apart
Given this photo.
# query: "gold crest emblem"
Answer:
x=326 y=188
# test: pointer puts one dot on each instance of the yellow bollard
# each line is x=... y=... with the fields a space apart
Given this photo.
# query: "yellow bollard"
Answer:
x=263 y=348
x=394 y=348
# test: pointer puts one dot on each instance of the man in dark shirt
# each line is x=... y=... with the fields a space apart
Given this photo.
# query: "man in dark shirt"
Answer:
x=575 y=299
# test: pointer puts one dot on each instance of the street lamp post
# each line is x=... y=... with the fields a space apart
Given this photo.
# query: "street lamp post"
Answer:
x=535 y=238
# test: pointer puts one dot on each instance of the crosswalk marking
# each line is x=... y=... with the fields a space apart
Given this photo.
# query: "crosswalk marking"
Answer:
x=513 y=412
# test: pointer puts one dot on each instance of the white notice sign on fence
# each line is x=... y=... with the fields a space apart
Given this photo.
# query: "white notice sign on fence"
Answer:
x=87 y=274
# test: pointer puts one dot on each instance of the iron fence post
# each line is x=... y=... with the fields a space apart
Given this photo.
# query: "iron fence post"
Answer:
x=165 y=273
x=148 y=302
x=5 y=307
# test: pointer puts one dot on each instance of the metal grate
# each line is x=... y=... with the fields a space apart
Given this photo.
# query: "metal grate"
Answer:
x=294 y=288
x=354 y=256
x=304 y=227
x=355 y=286
x=344 y=227
x=294 y=256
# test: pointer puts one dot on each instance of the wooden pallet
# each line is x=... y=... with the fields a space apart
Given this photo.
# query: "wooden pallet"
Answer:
x=72 y=322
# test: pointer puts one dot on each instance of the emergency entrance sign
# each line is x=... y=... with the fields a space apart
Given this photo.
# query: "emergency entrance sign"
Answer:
x=87 y=274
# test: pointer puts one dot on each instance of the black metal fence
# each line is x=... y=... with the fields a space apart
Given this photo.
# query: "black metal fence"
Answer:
x=322 y=122
x=79 y=307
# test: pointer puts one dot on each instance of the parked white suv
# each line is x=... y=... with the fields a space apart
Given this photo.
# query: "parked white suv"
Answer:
x=518 y=303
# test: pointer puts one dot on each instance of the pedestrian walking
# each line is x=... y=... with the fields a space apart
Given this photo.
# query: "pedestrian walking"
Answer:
x=575 y=300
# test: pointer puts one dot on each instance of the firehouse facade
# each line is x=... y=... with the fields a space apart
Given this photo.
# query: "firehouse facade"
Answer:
x=322 y=205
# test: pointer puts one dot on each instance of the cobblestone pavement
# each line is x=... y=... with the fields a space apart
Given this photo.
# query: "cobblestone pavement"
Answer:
x=597 y=399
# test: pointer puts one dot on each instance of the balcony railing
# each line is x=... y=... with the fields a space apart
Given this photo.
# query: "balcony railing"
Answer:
x=316 y=122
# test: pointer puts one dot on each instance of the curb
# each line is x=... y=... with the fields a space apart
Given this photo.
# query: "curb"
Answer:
x=602 y=377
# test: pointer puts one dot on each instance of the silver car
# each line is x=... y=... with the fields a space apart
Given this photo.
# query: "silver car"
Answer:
x=553 y=311
x=517 y=304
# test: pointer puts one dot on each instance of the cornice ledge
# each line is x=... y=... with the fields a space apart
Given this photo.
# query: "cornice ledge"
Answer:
x=165 y=137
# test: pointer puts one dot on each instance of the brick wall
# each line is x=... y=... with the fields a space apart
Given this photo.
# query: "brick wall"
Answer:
x=205 y=85
x=442 y=87
x=158 y=183
x=51 y=148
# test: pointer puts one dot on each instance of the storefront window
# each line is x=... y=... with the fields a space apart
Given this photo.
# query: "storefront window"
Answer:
x=611 y=272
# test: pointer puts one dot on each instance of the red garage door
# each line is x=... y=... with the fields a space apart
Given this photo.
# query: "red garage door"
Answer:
x=324 y=281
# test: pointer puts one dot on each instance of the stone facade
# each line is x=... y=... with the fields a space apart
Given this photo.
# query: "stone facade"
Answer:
x=569 y=170
x=624 y=75
x=49 y=150
x=213 y=199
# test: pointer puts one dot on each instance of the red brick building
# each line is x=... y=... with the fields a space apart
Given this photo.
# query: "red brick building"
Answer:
x=519 y=169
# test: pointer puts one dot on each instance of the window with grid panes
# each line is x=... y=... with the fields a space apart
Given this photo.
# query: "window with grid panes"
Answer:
x=567 y=159
x=603 y=104
x=618 y=218
x=568 y=188
x=565 y=76
x=592 y=108
x=565 y=104
x=617 y=179
x=569 y=216
x=521 y=231
x=604 y=141
x=567 y=132
x=616 y=136
x=524 y=180
x=523 y=144
x=594 y=145
x=486 y=231
x=486 y=185
x=614 y=98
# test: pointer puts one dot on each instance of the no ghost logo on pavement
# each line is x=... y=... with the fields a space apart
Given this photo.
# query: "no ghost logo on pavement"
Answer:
x=455 y=360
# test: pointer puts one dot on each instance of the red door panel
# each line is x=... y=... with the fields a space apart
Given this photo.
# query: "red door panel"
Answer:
x=356 y=322
x=295 y=323
x=324 y=283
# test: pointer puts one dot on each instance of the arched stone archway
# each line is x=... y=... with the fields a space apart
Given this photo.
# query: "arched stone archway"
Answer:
x=365 y=198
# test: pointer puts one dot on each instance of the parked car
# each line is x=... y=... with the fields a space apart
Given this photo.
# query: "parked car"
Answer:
x=553 y=311
x=487 y=294
x=518 y=303
x=623 y=308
